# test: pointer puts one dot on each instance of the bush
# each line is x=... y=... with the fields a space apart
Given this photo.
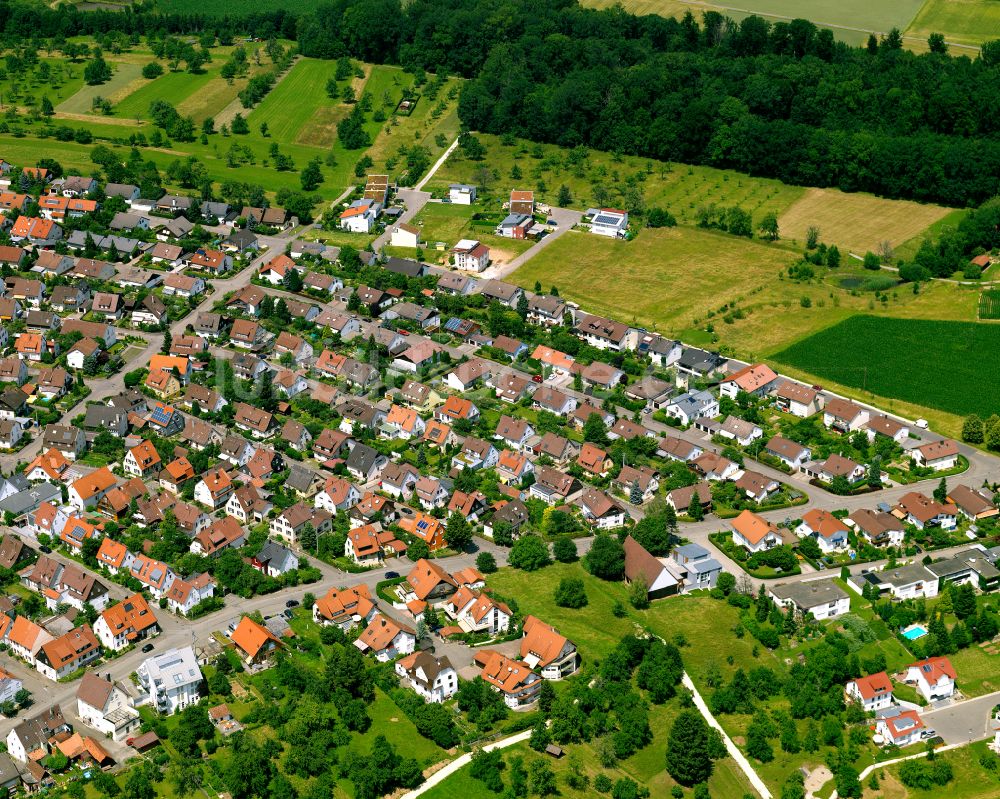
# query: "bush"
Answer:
x=570 y=593
x=925 y=774
x=529 y=553
x=486 y=563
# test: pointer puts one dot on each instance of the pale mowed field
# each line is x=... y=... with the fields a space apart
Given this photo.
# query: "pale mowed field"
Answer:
x=858 y=222
x=963 y=21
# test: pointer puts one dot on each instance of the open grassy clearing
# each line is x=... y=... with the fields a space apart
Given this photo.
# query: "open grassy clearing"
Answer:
x=222 y=8
x=429 y=120
x=938 y=364
x=908 y=249
x=706 y=625
x=595 y=630
x=859 y=222
x=678 y=281
x=125 y=79
x=61 y=81
x=857 y=14
x=979 y=669
x=966 y=21
x=587 y=173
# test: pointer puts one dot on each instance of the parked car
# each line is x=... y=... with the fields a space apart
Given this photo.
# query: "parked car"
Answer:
x=536 y=378
x=928 y=734
x=391 y=575
x=147 y=648
x=292 y=603
x=45 y=549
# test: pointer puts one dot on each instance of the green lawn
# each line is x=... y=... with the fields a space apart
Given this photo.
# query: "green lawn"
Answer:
x=906 y=359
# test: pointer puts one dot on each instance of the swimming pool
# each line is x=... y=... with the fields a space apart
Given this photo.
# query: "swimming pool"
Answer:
x=914 y=632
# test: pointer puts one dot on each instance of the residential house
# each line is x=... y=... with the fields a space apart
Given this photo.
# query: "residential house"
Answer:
x=937 y=455
x=877 y=527
x=345 y=607
x=221 y=534
x=657 y=576
x=154 y=575
x=873 y=692
x=757 y=380
x=253 y=642
x=433 y=678
x=689 y=407
x=214 y=488
x=142 y=460
x=106 y=706
x=799 y=400
x=126 y=623
x=754 y=533
x=606 y=334
x=601 y=511
x=822 y=599
x=386 y=639
x=934 y=678
x=71 y=651
x=514 y=680
x=921 y=511
x=899 y=727
x=543 y=648
x=790 y=453
x=172 y=679
x=844 y=416
x=291 y=522
x=85 y=492
x=827 y=530
x=470 y=255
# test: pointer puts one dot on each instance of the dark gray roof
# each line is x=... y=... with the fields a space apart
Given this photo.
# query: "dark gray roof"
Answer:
x=362 y=458
x=25 y=501
x=103 y=416
x=406 y=267
x=276 y=553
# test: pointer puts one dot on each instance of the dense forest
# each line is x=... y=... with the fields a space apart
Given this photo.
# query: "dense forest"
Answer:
x=783 y=100
x=779 y=99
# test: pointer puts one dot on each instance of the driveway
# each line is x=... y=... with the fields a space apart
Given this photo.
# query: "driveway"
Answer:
x=964 y=721
x=565 y=219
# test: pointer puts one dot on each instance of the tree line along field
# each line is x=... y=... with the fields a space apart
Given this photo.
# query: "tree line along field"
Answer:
x=855 y=222
x=300 y=115
x=937 y=364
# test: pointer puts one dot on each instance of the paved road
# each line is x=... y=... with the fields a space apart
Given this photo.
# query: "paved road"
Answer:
x=965 y=721
x=414 y=200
